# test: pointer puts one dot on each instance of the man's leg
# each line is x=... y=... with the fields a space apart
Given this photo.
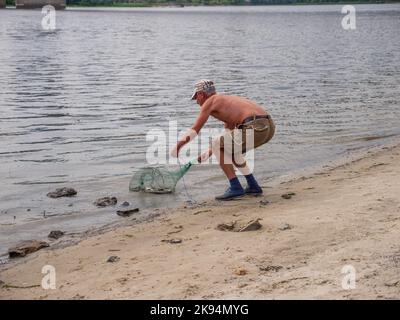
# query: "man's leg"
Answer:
x=235 y=190
x=253 y=187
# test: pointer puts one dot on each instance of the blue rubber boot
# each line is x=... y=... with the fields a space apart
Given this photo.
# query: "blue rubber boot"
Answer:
x=254 y=191
x=231 y=194
x=253 y=188
x=235 y=191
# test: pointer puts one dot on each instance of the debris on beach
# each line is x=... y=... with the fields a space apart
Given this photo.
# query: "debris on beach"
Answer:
x=252 y=225
x=62 y=192
x=201 y=211
x=263 y=202
x=105 y=202
x=236 y=226
x=177 y=229
x=285 y=226
x=241 y=272
x=288 y=195
x=127 y=213
x=56 y=234
x=270 y=268
x=26 y=247
x=226 y=226
x=125 y=204
x=113 y=259
x=172 y=241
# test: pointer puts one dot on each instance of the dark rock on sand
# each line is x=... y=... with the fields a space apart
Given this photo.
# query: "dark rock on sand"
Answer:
x=57 y=234
x=127 y=213
x=62 y=192
x=285 y=226
x=270 y=268
x=106 y=201
x=227 y=226
x=113 y=259
x=26 y=247
x=125 y=204
x=235 y=226
x=252 y=225
x=172 y=241
x=288 y=195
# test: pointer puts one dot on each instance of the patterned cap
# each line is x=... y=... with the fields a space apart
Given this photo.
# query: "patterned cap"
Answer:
x=206 y=86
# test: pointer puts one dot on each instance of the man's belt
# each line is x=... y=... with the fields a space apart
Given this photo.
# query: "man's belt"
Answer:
x=252 y=118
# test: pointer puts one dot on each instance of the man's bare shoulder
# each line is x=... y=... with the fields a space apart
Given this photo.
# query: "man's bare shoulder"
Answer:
x=221 y=99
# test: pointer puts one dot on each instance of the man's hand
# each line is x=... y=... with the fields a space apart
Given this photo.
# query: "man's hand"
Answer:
x=204 y=156
x=185 y=138
x=175 y=151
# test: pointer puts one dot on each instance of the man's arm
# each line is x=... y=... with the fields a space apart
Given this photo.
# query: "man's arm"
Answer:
x=203 y=116
x=198 y=124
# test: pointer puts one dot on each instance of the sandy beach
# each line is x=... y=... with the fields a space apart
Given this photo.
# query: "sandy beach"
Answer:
x=345 y=216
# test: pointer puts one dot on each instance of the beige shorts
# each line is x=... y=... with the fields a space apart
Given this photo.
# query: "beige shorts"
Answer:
x=247 y=136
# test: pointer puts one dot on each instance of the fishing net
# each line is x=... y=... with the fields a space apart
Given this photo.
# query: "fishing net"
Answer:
x=157 y=179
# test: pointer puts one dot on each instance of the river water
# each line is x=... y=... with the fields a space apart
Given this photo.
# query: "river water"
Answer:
x=77 y=102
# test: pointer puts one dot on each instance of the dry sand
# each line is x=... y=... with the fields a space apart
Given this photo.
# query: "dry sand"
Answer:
x=349 y=215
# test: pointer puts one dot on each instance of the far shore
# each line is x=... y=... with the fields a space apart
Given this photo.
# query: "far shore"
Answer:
x=162 y=5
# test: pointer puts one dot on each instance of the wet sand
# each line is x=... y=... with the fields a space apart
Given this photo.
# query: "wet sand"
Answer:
x=349 y=215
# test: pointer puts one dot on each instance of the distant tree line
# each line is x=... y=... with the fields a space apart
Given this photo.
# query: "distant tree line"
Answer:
x=146 y=3
x=212 y=2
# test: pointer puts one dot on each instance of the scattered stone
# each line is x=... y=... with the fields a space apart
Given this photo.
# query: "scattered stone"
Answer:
x=285 y=226
x=70 y=205
x=270 y=268
x=125 y=204
x=288 y=195
x=105 y=202
x=241 y=272
x=172 y=241
x=127 y=213
x=393 y=283
x=28 y=209
x=62 y=192
x=57 y=234
x=26 y=247
x=264 y=202
x=201 y=211
x=227 y=227
x=252 y=225
x=113 y=259
x=178 y=229
x=234 y=226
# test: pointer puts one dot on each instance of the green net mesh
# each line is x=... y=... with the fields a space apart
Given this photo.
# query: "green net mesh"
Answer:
x=157 y=179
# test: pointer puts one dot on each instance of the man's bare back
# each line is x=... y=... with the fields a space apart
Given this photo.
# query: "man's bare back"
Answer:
x=231 y=110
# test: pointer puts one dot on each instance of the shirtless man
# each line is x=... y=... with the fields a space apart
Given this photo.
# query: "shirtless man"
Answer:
x=247 y=126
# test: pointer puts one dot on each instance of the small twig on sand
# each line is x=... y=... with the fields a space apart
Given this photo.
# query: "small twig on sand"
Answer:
x=11 y=286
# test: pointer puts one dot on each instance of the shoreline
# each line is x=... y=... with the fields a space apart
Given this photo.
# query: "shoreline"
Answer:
x=104 y=216
x=338 y=216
